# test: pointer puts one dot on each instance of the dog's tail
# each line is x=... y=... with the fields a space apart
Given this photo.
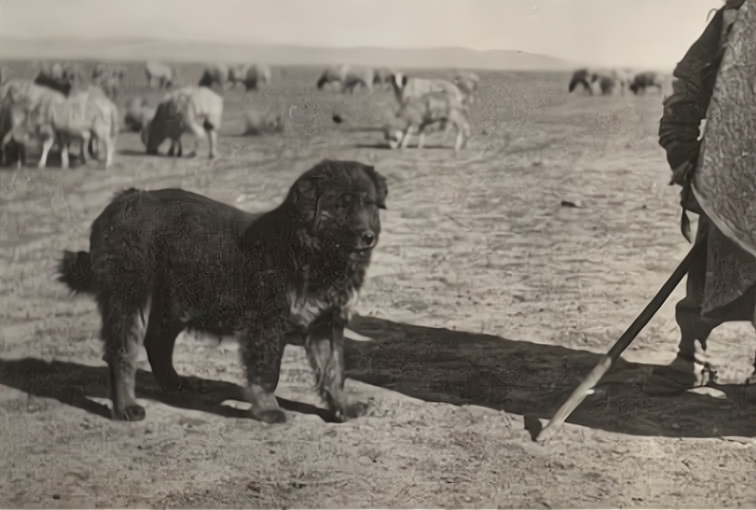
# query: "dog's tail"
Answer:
x=75 y=271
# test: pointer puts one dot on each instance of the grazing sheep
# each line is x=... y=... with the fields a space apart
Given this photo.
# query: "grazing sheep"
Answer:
x=84 y=115
x=59 y=76
x=163 y=261
x=642 y=81
x=138 y=114
x=102 y=69
x=109 y=83
x=164 y=75
x=236 y=74
x=584 y=77
x=383 y=78
x=468 y=82
x=216 y=74
x=348 y=76
x=419 y=112
x=256 y=74
x=13 y=133
x=622 y=78
x=258 y=124
x=406 y=88
x=606 y=84
x=23 y=108
x=195 y=110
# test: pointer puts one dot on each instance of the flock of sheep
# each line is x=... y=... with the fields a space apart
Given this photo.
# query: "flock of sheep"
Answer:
x=615 y=80
x=60 y=106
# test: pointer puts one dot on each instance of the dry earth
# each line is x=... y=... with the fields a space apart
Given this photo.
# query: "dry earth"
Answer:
x=487 y=301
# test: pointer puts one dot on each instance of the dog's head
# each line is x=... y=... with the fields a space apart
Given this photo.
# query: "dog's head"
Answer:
x=338 y=203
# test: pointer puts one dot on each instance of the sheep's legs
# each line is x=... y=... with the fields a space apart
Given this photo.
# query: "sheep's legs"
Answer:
x=198 y=132
x=121 y=332
x=325 y=351
x=421 y=139
x=406 y=138
x=109 y=150
x=85 y=138
x=46 y=146
x=4 y=147
x=261 y=353
x=64 y=163
x=460 y=140
x=212 y=137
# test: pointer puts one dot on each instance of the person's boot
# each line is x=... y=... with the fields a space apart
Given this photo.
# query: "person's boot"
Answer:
x=690 y=368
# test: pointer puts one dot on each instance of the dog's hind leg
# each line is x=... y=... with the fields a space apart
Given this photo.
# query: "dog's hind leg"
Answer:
x=261 y=352
x=162 y=330
x=325 y=351
x=122 y=328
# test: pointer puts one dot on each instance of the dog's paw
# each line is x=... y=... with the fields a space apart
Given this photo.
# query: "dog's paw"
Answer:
x=352 y=411
x=133 y=412
x=270 y=416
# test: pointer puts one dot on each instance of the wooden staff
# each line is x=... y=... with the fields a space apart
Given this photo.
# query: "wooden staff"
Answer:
x=606 y=361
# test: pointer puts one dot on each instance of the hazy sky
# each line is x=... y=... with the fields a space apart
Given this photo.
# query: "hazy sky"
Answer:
x=603 y=32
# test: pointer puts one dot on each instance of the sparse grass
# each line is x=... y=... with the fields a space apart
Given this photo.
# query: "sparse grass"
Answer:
x=527 y=291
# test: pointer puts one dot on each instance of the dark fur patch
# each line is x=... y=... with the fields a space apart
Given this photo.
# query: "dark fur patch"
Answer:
x=194 y=263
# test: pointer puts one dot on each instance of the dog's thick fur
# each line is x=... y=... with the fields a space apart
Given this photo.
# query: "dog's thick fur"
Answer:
x=172 y=260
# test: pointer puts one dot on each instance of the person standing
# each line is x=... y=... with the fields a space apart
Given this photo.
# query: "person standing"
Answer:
x=721 y=282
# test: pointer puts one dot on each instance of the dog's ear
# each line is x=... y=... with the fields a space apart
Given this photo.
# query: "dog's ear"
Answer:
x=381 y=188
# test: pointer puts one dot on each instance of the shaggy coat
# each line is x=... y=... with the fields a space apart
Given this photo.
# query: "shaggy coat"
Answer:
x=259 y=124
x=468 y=82
x=584 y=77
x=348 y=76
x=216 y=74
x=254 y=75
x=89 y=116
x=169 y=260
x=196 y=110
x=429 y=109
x=110 y=84
x=164 y=75
x=644 y=80
x=408 y=87
x=138 y=114
x=24 y=112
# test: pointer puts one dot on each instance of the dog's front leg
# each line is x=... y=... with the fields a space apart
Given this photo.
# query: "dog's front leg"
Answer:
x=325 y=350
x=261 y=351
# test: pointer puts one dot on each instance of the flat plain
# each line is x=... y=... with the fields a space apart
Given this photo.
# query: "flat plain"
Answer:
x=488 y=300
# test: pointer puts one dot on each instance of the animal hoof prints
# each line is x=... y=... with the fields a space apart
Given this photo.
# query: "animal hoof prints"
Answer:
x=130 y=413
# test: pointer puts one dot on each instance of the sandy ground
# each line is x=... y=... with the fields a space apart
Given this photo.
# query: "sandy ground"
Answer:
x=487 y=301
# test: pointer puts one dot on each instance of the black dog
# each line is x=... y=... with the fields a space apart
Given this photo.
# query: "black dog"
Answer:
x=172 y=260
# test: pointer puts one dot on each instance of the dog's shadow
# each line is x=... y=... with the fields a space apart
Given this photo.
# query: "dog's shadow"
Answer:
x=533 y=380
x=72 y=384
x=385 y=146
x=131 y=152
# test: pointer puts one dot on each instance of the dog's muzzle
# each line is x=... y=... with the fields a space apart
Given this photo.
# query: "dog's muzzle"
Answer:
x=365 y=242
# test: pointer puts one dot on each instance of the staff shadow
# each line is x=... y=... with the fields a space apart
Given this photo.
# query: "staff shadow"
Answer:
x=533 y=380
x=72 y=384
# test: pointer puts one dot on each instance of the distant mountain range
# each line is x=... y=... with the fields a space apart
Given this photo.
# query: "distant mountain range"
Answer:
x=208 y=51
